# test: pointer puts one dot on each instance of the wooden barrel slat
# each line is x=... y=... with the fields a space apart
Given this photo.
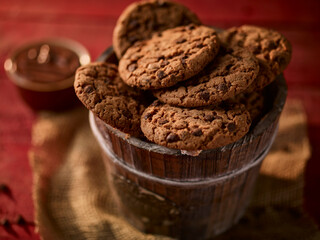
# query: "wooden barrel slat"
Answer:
x=205 y=210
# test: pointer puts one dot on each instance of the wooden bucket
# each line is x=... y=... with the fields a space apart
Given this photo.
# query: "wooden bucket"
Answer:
x=168 y=192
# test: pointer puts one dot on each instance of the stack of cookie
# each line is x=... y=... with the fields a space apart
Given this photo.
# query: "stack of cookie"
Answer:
x=179 y=83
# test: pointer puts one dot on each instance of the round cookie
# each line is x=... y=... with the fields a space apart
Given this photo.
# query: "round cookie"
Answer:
x=101 y=90
x=169 y=57
x=271 y=48
x=141 y=19
x=230 y=73
x=194 y=129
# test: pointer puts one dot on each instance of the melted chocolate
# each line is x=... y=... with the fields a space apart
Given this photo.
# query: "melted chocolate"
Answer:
x=47 y=63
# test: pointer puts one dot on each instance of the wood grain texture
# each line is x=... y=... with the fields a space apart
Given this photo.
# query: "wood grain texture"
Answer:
x=186 y=210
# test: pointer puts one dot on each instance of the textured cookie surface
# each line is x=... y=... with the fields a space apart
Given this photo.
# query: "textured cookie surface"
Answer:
x=141 y=19
x=168 y=58
x=101 y=90
x=194 y=129
x=254 y=103
x=230 y=73
x=271 y=48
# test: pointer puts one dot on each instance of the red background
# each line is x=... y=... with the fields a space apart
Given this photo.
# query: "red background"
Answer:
x=91 y=23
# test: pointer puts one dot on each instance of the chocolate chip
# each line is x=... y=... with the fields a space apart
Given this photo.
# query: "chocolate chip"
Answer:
x=198 y=132
x=172 y=137
x=205 y=95
x=185 y=21
x=152 y=25
x=199 y=45
x=223 y=87
x=127 y=113
x=148 y=115
x=133 y=24
x=209 y=118
x=183 y=60
x=229 y=50
x=180 y=40
x=107 y=80
x=88 y=89
x=224 y=105
x=161 y=74
x=161 y=58
x=191 y=27
x=281 y=60
x=271 y=45
x=229 y=66
x=20 y=220
x=132 y=39
x=240 y=43
x=132 y=67
x=255 y=49
x=231 y=127
x=163 y=121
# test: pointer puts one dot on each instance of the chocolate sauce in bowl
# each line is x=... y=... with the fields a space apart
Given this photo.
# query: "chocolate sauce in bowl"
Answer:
x=47 y=63
x=43 y=72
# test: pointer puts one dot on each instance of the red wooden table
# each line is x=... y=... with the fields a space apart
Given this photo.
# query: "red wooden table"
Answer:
x=91 y=23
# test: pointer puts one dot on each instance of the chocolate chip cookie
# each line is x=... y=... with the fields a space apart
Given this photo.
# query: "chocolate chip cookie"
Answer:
x=169 y=57
x=101 y=90
x=194 y=129
x=141 y=19
x=271 y=48
x=230 y=73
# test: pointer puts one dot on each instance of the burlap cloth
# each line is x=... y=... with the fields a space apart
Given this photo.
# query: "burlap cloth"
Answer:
x=72 y=200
